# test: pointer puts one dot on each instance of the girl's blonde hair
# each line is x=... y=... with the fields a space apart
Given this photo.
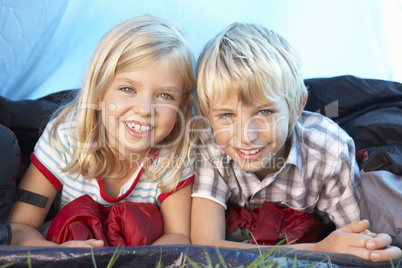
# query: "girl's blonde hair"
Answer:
x=131 y=45
x=253 y=63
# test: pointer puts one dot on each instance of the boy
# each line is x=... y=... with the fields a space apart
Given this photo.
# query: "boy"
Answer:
x=264 y=147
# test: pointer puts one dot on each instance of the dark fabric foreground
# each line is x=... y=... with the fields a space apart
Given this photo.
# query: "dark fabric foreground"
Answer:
x=176 y=256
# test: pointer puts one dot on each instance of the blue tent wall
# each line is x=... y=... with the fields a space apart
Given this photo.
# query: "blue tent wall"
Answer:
x=45 y=44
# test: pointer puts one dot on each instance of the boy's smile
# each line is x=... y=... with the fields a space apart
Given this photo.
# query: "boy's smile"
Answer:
x=250 y=154
x=254 y=136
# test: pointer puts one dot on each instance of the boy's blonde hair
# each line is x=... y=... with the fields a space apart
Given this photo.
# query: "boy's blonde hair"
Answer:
x=252 y=62
x=129 y=46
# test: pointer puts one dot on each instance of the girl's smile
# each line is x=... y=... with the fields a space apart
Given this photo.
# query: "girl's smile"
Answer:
x=139 y=130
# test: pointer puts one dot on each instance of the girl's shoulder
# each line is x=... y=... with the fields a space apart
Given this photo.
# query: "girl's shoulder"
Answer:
x=61 y=131
x=63 y=124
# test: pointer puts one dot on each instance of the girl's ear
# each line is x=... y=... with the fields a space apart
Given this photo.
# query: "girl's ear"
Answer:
x=100 y=105
x=181 y=108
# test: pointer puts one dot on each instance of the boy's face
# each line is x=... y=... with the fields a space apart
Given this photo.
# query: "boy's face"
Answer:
x=254 y=136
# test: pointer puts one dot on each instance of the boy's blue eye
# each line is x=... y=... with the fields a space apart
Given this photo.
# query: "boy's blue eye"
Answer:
x=227 y=115
x=265 y=112
x=166 y=96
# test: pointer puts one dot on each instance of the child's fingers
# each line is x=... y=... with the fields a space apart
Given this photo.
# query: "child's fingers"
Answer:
x=382 y=255
x=95 y=243
x=355 y=240
x=341 y=241
x=387 y=254
x=356 y=227
x=86 y=244
x=369 y=233
x=379 y=242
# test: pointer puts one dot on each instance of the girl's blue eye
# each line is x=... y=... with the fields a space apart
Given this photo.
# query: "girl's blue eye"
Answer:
x=166 y=96
x=127 y=89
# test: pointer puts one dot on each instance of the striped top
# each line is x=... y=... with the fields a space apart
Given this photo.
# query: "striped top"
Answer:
x=137 y=189
x=320 y=174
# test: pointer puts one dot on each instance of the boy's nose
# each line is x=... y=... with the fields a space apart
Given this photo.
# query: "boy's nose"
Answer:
x=249 y=133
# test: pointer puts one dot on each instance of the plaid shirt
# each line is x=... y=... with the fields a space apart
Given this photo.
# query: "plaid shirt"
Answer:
x=320 y=174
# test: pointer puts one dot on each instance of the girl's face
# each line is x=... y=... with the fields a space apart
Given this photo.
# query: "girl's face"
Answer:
x=141 y=107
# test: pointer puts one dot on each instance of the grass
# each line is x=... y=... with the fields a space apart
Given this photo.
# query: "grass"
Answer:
x=397 y=266
x=112 y=260
x=8 y=265
x=269 y=259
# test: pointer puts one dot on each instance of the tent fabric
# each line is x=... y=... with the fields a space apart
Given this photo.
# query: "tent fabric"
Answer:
x=46 y=45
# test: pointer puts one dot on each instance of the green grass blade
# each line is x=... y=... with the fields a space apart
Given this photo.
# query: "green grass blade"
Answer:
x=114 y=258
x=255 y=241
x=8 y=264
x=93 y=258
x=29 y=260
x=190 y=262
x=221 y=259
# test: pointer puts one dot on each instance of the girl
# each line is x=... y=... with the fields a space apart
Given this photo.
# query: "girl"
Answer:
x=119 y=143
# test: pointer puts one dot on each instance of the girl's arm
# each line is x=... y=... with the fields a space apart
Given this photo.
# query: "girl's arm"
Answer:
x=175 y=211
x=208 y=228
x=26 y=219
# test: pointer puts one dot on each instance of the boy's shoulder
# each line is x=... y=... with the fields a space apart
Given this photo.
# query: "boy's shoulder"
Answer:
x=315 y=120
x=319 y=133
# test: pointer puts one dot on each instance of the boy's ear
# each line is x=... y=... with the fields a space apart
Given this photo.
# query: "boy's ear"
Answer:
x=177 y=117
x=303 y=101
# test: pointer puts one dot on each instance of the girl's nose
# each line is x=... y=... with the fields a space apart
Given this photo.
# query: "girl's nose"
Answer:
x=143 y=105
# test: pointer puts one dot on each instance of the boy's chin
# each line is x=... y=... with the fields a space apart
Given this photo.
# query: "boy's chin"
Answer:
x=250 y=166
x=260 y=168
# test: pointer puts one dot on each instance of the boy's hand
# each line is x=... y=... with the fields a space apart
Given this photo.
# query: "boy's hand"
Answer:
x=355 y=239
